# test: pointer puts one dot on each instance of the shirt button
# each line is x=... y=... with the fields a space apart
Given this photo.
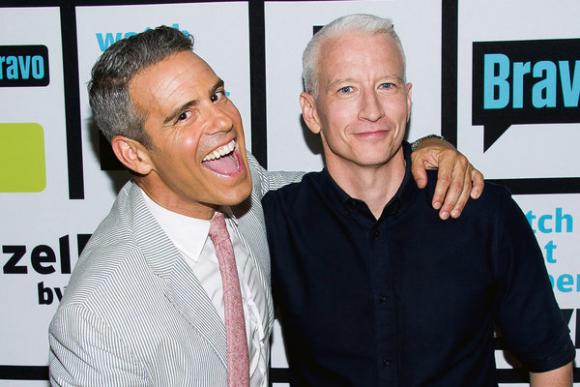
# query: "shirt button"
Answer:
x=376 y=234
x=382 y=299
x=386 y=363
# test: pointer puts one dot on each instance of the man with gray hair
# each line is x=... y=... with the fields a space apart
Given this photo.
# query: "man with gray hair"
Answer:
x=372 y=288
x=173 y=288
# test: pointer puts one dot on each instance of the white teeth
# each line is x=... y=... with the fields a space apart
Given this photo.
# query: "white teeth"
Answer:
x=221 y=151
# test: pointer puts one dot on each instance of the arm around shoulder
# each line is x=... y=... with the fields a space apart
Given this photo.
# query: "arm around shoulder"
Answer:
x=457 y=179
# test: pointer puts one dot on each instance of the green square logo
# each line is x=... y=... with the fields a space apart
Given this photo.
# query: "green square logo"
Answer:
x=22 y=165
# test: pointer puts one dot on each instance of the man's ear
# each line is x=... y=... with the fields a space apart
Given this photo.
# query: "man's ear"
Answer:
x=409 y=87
x=132 y=154
x=309 y=113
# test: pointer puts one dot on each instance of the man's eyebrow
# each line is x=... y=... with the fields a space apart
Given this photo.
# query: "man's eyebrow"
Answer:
x=176 y=112
x=218 y=84
x=338 y=81
x=333 y=84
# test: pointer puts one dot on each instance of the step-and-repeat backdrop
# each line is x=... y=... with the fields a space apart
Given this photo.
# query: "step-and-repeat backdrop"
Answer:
x=499 y=79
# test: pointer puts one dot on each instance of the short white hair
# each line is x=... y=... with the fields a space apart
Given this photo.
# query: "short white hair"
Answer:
x=365 y=23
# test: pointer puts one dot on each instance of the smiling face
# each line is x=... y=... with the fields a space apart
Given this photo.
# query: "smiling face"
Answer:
x=363 y=103
x=197 y=159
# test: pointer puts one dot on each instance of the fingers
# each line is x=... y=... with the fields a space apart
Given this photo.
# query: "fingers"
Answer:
x=477 y=182
x=419 y=171
x=457 y=184
x=473 y=185
x=444 y=179
x=465 y=194
x=457 y=179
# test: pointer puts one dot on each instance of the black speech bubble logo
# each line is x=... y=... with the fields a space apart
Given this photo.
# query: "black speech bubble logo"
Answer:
x=524 y=82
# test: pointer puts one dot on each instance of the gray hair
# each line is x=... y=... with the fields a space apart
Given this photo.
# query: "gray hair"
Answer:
x=113 y=111
x=370 y=24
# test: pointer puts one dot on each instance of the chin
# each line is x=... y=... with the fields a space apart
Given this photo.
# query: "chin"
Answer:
x=238 y=194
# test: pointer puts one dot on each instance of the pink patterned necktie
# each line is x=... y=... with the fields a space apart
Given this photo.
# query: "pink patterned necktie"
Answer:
x=237 y=345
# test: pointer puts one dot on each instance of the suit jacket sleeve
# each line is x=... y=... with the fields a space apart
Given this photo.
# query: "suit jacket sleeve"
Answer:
x=270 y=181
x=85 y=351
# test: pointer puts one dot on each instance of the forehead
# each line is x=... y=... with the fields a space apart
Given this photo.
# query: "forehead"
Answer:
x=180 y=75
x=178 y=67
x=360 y=52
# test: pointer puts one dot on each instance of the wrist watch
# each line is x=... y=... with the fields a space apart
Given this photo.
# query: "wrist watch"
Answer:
x=415 y=144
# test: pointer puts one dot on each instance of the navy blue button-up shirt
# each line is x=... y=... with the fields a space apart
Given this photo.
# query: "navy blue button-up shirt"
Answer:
x=407 y=300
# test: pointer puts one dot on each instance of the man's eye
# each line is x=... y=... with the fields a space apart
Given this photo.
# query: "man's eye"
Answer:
x=183 y=116
x=345 y=90
x=219 y=94
x=387 y=85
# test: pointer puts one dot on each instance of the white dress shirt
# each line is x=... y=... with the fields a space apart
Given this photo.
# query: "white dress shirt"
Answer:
x=191 y=237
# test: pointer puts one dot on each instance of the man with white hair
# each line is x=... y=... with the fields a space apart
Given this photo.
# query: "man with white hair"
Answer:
x=372 y=288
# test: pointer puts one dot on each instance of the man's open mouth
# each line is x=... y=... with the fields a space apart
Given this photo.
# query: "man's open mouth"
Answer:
x=224 y=160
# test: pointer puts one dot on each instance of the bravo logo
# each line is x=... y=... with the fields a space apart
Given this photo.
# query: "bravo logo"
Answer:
x=106 y=39
x=525 y=82
x=23 y=66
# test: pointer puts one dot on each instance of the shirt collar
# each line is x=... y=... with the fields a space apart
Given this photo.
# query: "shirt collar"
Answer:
x=229 y=214
x=400 y=200
x=187 y=233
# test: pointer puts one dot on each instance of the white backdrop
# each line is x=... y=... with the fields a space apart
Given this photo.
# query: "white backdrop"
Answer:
x=42 y=229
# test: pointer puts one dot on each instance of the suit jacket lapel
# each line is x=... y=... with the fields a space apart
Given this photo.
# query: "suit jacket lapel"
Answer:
x=183 y=289
x=251 y=226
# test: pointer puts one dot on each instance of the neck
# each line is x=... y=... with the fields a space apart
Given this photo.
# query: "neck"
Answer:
x=374 y=185
x=173 y=201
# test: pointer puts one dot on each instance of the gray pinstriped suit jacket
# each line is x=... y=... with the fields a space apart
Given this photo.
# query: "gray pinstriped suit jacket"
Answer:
x=134 y=314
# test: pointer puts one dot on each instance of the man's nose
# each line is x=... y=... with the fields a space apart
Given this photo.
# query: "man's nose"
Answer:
x=220 y=120
x=371 y=108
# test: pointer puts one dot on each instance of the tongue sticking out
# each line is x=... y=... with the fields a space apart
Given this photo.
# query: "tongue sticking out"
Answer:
x=227 y=165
